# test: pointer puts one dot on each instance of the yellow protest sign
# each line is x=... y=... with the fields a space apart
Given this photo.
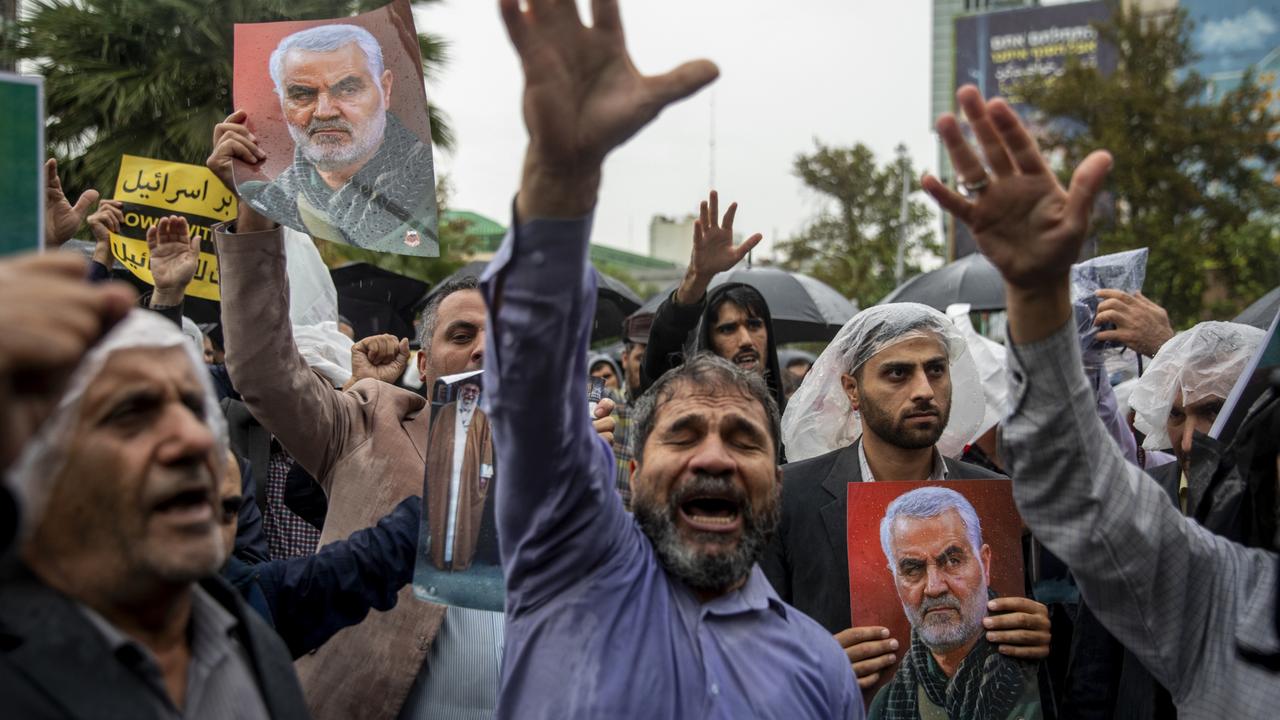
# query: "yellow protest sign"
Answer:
x=153 y=189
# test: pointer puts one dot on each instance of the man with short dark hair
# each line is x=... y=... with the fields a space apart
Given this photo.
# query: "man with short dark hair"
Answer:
x=894 y=397
x=366 y=447
x=664 y=614
x=732 y=320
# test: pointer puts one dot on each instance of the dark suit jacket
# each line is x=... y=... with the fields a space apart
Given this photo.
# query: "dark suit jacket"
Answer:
x=55 y=664
x=807 y=561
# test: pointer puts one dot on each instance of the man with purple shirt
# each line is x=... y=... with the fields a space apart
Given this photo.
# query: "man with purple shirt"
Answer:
x=665 y=615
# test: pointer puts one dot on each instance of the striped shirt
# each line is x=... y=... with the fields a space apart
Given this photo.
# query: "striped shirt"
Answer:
x=220 y=680
x=459 y=680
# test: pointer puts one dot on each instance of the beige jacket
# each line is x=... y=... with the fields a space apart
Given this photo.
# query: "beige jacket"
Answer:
x=365 y=446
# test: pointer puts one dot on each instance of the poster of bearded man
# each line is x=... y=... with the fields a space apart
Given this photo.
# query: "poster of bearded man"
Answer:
x=925 y=558
x=340 y=110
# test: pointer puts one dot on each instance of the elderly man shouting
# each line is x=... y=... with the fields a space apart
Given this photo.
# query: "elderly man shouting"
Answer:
x=115 y=609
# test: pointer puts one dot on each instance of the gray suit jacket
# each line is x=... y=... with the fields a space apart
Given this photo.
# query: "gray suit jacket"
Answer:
x=807 y=561
x=55 y=664
x=1189 y=604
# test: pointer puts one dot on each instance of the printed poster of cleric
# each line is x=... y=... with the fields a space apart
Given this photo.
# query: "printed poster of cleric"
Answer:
x=153 y=189
x=924 y=560
x=339 y=109
x=458 y=560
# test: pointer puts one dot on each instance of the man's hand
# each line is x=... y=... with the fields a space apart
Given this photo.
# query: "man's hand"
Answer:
x=1020 y=215
x=50 y=317
x=106 y=220
x=1019 y=627
x=713 y=249
x=381 y=357
x=174 y=257
x=583 y=97
x=61 y=218
x=1141 y=325
x=870 y=651
x=604 y=422
x=233 y=141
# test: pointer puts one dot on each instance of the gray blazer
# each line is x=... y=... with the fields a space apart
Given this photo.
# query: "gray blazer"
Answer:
x=807 y=561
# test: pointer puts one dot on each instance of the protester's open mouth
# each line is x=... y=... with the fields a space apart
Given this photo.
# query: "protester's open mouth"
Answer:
x=712 y=513
x=187 y=506
x=747 y=359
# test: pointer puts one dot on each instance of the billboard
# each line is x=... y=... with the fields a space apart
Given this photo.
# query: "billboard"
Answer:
x=998 y=50
x=22 y=180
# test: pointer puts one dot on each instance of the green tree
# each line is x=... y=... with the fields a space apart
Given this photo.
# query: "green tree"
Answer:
x=1193 y=179
x=152 y=78
x=852 y=244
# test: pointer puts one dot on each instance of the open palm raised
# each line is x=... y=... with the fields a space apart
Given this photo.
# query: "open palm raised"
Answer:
x=1022 y=218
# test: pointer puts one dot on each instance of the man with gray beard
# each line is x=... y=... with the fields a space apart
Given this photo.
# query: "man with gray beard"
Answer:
x=941 y=569
x=359 y=176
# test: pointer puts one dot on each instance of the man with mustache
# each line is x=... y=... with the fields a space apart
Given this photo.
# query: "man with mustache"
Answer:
x=732 y=320
x=895 y=396
x=932 y=540
x=663 y=614
x=114 y=609
x=359 y=176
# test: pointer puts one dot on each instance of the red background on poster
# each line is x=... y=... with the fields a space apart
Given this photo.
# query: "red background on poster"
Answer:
x=872 y=588
x=254 y=92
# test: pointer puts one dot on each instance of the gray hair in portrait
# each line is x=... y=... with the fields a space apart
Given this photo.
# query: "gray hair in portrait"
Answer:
x=326 y=38
x=929 y=502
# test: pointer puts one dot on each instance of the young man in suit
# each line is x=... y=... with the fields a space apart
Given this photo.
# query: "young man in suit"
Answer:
x=893 y=396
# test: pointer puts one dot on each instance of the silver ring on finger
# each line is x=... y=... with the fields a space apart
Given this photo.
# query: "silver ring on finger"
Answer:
x=973 y=187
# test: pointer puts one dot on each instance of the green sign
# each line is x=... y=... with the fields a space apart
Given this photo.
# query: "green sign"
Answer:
x=22 y=172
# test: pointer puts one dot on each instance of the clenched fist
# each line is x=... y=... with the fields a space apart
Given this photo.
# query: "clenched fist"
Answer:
x=381 y=357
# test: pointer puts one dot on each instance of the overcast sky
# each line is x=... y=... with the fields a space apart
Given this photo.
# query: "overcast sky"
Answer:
x=842 y=71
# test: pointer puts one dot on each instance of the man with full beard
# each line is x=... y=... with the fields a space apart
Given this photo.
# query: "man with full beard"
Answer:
x=894 y=396
x=359 y=176
x=941 y=569
x=666 y=616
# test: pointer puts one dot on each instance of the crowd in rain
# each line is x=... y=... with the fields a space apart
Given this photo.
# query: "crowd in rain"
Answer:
x=222 y=520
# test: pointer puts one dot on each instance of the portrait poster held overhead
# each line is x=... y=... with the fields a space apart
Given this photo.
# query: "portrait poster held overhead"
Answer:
x=458 y=562
x=925 y=558
x=340 y=111
x=155 y=189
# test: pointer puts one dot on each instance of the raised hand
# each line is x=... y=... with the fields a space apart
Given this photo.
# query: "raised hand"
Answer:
x=51 y=316
x=583 y=97
x=1022 y=218
x=233 y=141
x=174 y=257
x=713 y=249
x=61 y=218
x=381 y=357
x=105 y=220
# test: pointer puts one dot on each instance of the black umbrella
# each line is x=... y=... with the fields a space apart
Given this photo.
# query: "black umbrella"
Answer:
x=1262 y=311
x=972 y=279
x=377 y=301
x=614 y=300
x=803 y=309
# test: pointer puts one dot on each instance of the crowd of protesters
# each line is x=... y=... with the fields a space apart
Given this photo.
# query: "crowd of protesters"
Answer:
x=211 y=523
